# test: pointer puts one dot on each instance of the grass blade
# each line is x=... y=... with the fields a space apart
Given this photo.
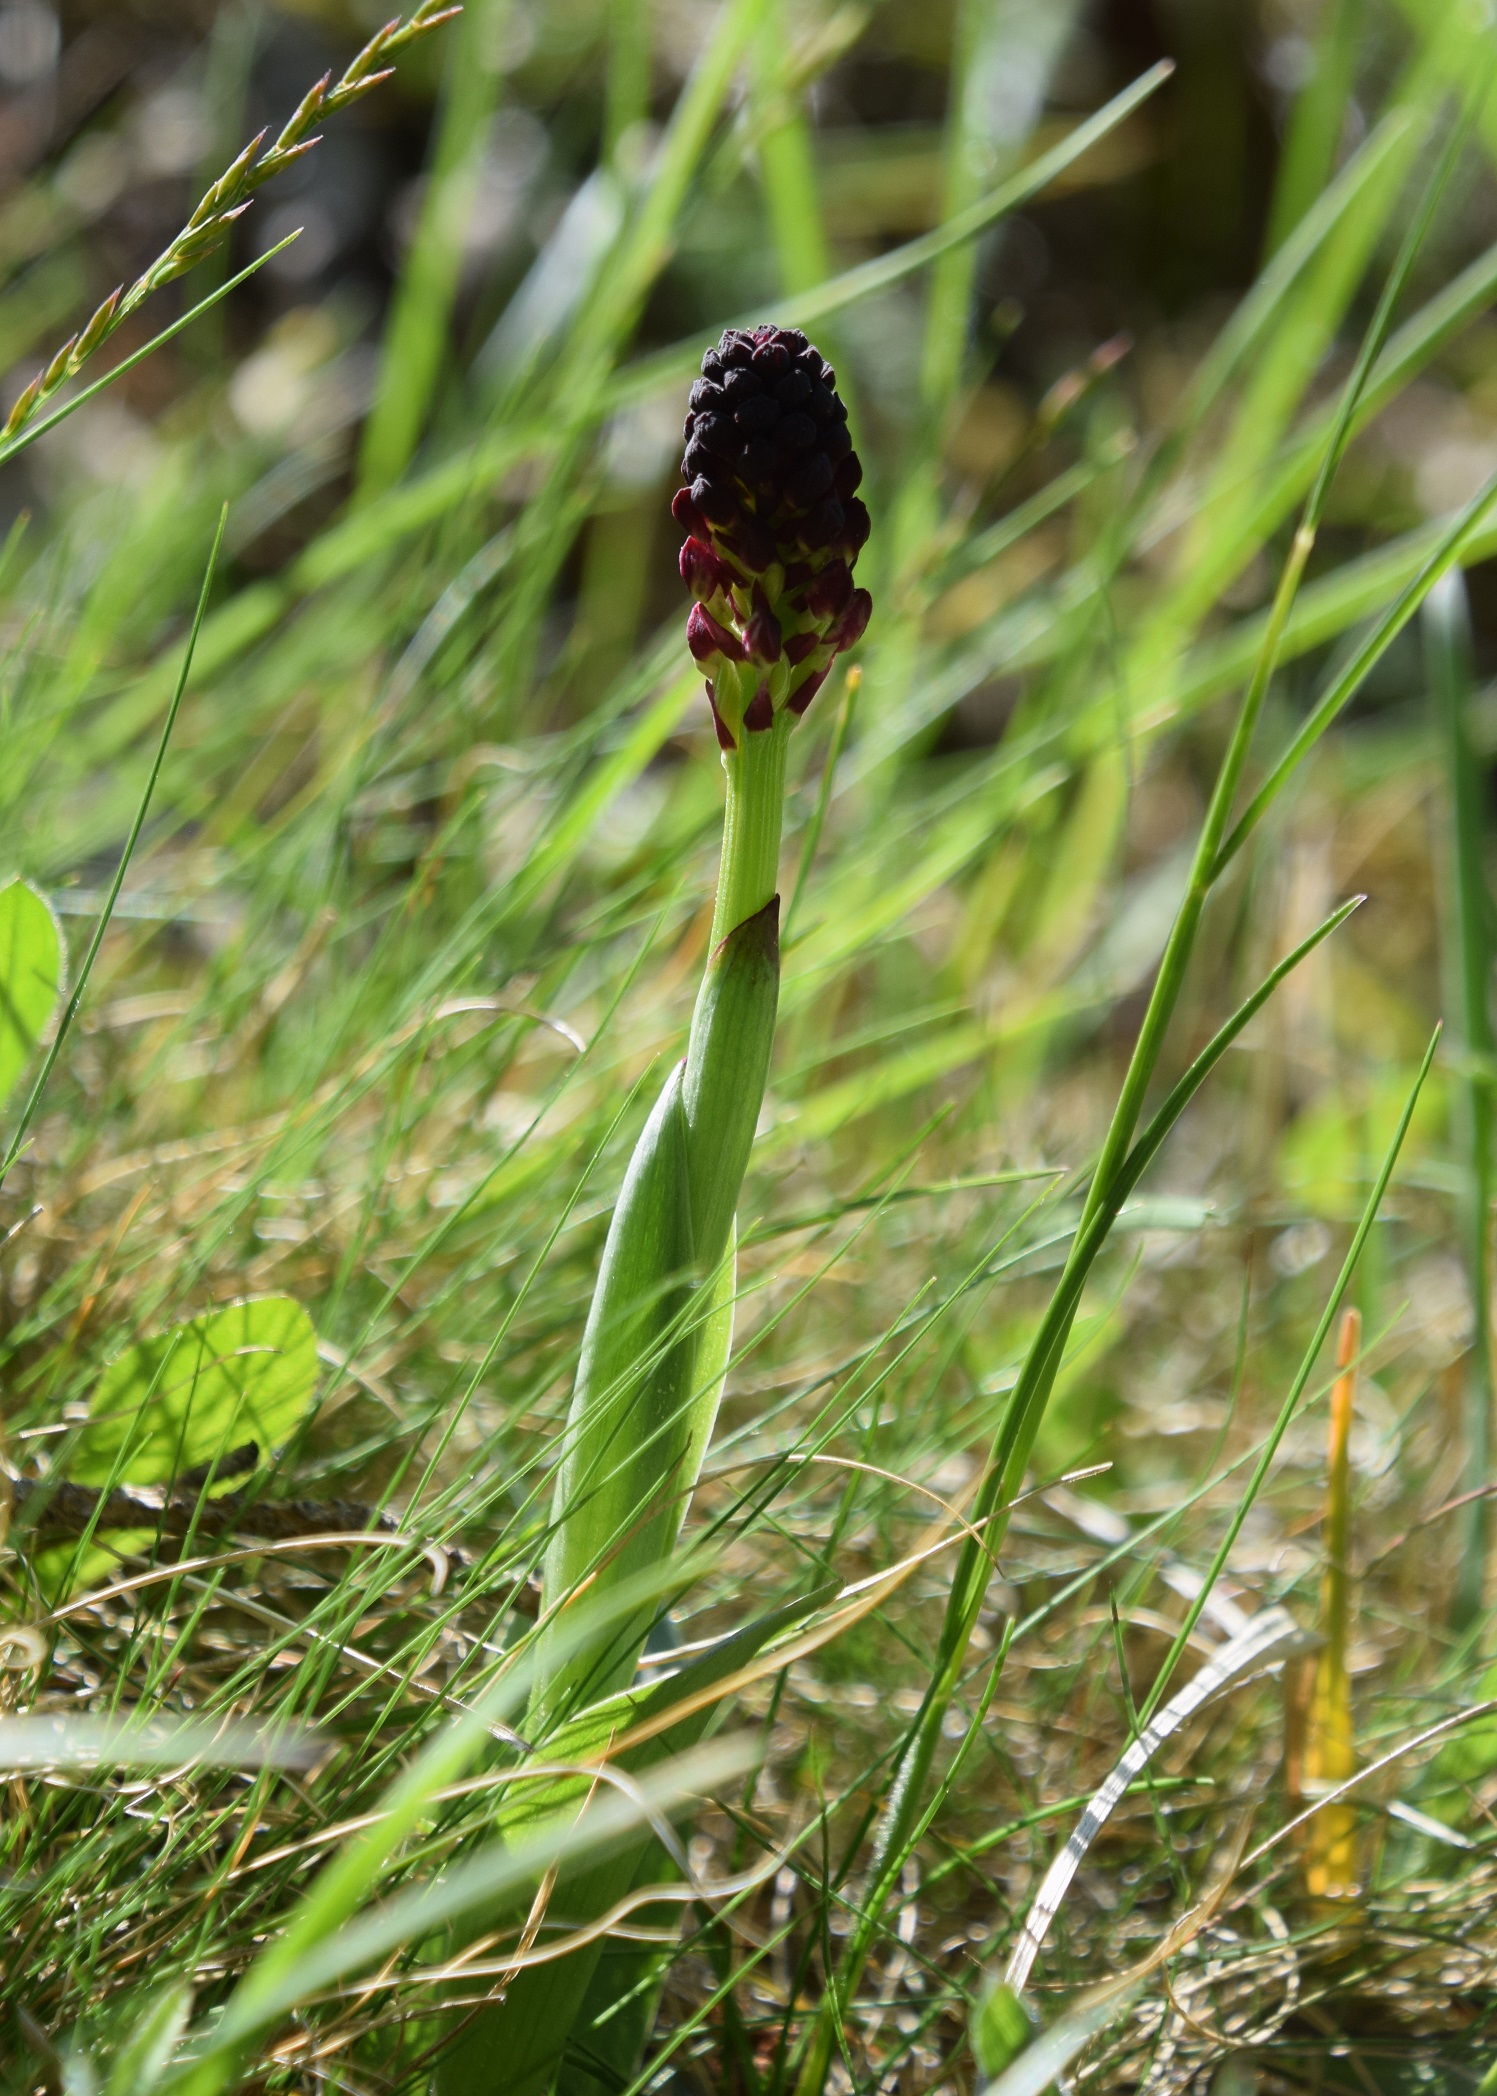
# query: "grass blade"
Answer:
x=1297 y=1388
x=1467 y=954
x=70 y=1010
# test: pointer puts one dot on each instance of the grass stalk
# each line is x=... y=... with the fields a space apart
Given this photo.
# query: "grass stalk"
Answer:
x=70 y=1010
x=1466 y=928
x=417 y=331
x=1316 y=122
x=904 y=1809
x=787 y=161
x=1330 y=1855
x=630 y=25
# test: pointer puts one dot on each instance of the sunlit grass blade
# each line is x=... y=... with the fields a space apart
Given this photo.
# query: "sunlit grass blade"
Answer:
x=417 y=328
x=1280 y=377
x=606 y=321
x=225 y=201
x=85 y=970
x=1454 y=540
x=411 y=1916
x=12 y=445
x=1037 y=2070
x=984 y=134
x=1300 y=1383
x=1467 y=955
x=1261 y=310
x=1317 y=119
x=322 y=1925
x=63 y=1741
x=803 y=309
x=628 y=101
x=1269 y=1629
x=907 y=1809
x=787 y=159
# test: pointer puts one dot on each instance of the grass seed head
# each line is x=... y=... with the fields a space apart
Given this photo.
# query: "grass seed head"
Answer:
x=774 y=525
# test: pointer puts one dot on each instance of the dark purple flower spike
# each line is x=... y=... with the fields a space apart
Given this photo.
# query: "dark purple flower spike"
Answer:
x=775 y=527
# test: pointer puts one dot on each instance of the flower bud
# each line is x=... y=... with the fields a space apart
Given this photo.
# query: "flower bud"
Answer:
x=724 y=732
x=802 y=696
x=687 y=515
x=702 y=571
x=774 y=526
x=706 y=637
x=850 y=627
x=762 y=635
x=828 y=592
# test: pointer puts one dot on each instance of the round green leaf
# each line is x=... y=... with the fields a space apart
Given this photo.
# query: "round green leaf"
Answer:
x=1001 y=2028
x=193 y=1393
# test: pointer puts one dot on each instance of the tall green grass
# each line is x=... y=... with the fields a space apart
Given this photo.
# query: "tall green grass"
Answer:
x=368 y=1015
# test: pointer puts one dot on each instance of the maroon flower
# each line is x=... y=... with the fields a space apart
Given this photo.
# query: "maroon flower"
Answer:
x=702 y=572
x=706 y=637
x=774 y=526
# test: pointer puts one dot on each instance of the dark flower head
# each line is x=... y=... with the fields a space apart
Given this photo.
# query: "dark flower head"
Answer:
x=774 y=526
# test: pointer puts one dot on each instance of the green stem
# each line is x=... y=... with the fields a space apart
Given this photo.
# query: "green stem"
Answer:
x=750 y=871
x=653 y=1359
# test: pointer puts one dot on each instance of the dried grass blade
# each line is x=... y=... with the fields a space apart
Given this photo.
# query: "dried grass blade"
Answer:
x=1271 y=1628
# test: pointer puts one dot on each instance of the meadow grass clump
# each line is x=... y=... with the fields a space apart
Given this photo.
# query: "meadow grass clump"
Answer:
x=615 y=1488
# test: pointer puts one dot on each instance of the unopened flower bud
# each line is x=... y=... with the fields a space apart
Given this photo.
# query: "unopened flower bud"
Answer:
x=724 y=732
x=687 y=515
x=706 y=637
x=802 y=696
x=762 y=635
x=828 y=592
x=850 y=628
x=702 y=571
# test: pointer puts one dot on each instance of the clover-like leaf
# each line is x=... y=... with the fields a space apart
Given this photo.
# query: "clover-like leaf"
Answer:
x=186 y=1397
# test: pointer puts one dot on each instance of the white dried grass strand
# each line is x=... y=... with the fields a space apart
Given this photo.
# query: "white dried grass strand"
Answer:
x=43 y=1740
x=1271 y=1627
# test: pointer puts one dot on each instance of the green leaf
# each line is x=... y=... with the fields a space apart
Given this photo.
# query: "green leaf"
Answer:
x=1035 y=2069
x=188 y=1396
x=495 y=1873
x=518 y=2043
x=618 y=1501
x=147 y=2051
x=660 y=1328
x=1000 y=2030
x=1466 y=966
x=30 y=976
